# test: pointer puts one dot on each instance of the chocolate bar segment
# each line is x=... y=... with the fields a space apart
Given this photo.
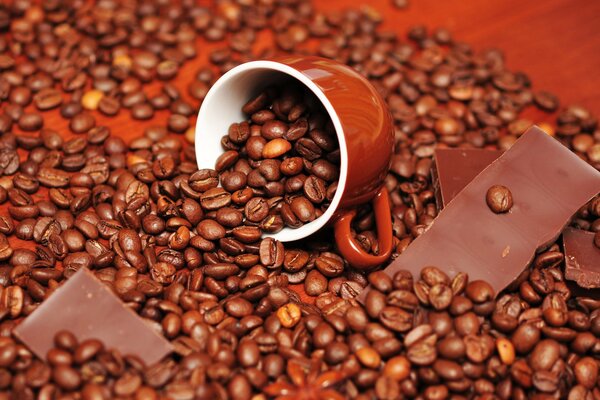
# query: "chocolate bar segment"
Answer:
x=454 y=168
x=89 y=309
x=548 y=184
x=582 y=258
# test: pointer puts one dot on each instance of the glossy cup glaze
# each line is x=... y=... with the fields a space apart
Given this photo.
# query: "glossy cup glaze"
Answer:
x=363 y=126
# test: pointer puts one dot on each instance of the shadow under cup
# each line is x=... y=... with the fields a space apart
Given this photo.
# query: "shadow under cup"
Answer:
x=222 y=106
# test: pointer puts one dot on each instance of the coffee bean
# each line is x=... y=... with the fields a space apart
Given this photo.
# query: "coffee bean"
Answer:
x=142 y=111
x=276 y=148
x=546 y=101
x=21 y=96
x=108 y=105
x=544 y=354
x=506 y=350
x=271 y=253
x=368 y=357
x=330 y=265
x=52 y=177
x=91 y=99
x=47 y=99
x=396 y=319
x=178 y=123
x=315 y=189
x=479 y=291
x=87 y=350
x=422 y=352
x=315 y=283
x=82 y=122
x=440 y=296
x=397 y=368
x=238 y=307
x=303 y=209
x=226 y=160
x=30 y=121
x=215 y=198
x=273 y=129
x=188 y=255
x=289 y=315
x=499 y=199
x=478 y=348
x=66 y=377
x=586 y=372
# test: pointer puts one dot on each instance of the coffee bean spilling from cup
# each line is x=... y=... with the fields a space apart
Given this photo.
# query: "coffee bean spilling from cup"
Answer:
x=158 y=232
x=281 y=166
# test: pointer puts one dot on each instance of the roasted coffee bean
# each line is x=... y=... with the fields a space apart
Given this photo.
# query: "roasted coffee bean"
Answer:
x=256 y=209
x=30 y=121
x=47 y=99
x=271 y=253
x=315 y=189
x=142 y=111
x=546 y=101
x=214 y=199
x=91 y=99
x=52 y=177
x=303 y=209
x=185 y=250
x=21 y=96
x=289 y=315
x=330 y=265
x=82 y=122
x=396 y=319
x=66 y=377
x=499 y=199
x=315 y=283
x=178 y=123
x=109 y=106
x=544 y=354
x=440 y=296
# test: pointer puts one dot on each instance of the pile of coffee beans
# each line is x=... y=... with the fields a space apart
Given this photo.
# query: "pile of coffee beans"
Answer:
x=250 y=318
x=281 y=166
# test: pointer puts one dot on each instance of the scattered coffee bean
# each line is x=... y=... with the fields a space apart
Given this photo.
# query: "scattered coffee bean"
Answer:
x=184 y=248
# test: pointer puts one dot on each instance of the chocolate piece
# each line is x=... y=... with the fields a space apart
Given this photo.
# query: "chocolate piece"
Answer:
x=453 y=169
x=578 y=291
x=582 y=258
x=88 y=308
x=548 y=183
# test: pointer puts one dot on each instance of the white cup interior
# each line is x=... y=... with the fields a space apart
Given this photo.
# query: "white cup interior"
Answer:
x=222 y=106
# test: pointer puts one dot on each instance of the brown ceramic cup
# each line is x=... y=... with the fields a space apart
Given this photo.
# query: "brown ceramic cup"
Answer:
x=363 y=126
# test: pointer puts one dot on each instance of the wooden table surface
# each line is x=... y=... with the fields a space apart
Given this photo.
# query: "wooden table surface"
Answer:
x=556 y=42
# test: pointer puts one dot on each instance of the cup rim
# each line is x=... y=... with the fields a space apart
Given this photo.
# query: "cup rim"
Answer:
x=288 y=234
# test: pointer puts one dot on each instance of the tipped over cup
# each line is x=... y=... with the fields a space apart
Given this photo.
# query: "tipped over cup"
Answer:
x=362 y=124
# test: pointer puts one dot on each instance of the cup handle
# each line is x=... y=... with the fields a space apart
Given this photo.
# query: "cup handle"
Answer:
x=351 y=250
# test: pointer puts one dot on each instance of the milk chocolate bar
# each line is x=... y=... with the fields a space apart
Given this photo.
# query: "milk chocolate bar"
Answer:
x=89 y=309
x=548 y=183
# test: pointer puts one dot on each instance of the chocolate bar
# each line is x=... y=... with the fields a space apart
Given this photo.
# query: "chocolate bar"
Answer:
x=89 y=309
x=548 y=184
x=582 y=258
x=454 y=168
